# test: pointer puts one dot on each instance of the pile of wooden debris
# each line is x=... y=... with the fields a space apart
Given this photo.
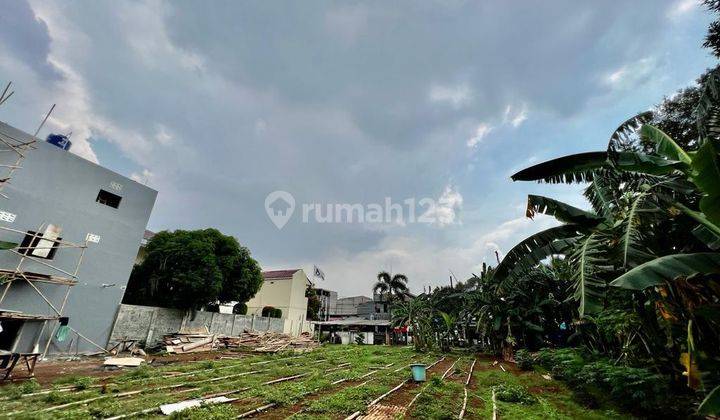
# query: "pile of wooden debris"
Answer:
x=264 y=342
x=270 y=342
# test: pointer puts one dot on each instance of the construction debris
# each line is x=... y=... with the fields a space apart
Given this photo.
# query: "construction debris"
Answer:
x=124 y=361
x=263 y=342
x=168 y=409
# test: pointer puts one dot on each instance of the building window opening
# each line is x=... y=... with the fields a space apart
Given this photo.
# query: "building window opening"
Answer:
x=40 y=245
x=109 y=199
x=10 y=330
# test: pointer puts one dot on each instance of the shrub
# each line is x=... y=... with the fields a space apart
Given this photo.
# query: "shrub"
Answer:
x=514 y=394
x=29 y=386
x=240 y=309
x=524 y=359
x=82 y=382
x=632 y=386
x=271 y=312
x=562 y=363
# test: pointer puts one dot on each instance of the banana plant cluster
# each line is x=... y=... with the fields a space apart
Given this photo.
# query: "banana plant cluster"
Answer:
x=655 y=221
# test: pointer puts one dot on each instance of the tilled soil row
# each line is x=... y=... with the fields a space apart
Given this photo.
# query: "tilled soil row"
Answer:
x=396 y=404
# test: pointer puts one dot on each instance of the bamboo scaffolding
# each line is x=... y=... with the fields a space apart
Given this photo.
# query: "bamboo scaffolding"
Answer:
x=58 y=276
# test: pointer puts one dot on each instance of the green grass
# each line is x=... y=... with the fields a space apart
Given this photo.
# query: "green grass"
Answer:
x=314 y=393
x=552 y=398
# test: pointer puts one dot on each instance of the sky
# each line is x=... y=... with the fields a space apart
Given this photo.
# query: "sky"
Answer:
x=216 y=105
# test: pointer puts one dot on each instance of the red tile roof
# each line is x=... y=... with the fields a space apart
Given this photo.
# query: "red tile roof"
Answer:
x=279 y=274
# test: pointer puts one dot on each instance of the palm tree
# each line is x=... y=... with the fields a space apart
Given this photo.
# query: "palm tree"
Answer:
x=391 y=287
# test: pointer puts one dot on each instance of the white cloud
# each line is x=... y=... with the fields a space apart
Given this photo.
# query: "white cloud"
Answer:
x=446 y=209
x=456 y=96
x=631 y=74
x=481 y=131
x=515 y=117
x=348 y=22
x=144 y=177
x=162 y=135
x=424 y=261
x=682 y=7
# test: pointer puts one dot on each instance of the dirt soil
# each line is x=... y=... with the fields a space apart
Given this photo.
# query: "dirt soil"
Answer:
x=395 y=404
x=46 y=372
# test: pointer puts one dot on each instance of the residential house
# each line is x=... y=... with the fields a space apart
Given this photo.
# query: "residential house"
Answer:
x=284 y=290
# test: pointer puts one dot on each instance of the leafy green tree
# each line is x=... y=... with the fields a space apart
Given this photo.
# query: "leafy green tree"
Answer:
x=191 y=269
x=314 y=304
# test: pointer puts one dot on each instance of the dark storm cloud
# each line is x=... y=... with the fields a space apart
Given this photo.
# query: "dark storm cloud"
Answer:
x=223 y=102
x=26 y=37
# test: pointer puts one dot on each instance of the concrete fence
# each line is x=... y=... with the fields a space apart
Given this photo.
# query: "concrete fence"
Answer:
x=149 y=324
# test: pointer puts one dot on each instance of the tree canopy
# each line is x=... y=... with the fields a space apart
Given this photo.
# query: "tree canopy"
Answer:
x=391 y=287
x=190 y=269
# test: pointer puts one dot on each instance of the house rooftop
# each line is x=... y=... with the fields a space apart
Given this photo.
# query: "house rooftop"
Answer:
x=279 y=274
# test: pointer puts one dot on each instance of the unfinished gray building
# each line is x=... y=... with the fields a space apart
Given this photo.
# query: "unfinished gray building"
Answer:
x=69 y=234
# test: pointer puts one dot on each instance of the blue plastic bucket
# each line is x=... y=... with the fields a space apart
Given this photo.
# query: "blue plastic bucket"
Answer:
x=418 y=372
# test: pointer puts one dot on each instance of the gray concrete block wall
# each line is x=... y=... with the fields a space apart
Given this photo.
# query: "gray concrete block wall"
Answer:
x=132 y=322
x=242 y=323
x=222 y=323
x=149 y=324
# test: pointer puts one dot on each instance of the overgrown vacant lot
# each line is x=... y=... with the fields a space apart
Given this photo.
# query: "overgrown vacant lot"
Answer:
x=333 y=382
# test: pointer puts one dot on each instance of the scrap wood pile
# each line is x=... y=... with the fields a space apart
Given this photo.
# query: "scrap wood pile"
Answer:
x=264 y=342
x=190 y=340
x=270 y=342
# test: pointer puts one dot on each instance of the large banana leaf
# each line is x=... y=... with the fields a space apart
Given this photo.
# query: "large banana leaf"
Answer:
x=561 y=211
x=664 y=145
x=567 y=169
x=621 y=138
x=581 y=167
x=646 y=164
x=655 y=272
x=589 y=263
x=632 y=248
x=524 y=252
x=708 y=109
x=706 y=175
x=600 y=193
x=533 y=257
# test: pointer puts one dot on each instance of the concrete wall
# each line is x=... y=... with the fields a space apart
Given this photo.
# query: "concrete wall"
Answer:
x=60 y=188
x=148 y=324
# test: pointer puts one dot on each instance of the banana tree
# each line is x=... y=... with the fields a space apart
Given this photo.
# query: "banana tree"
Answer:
x=673 y=182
